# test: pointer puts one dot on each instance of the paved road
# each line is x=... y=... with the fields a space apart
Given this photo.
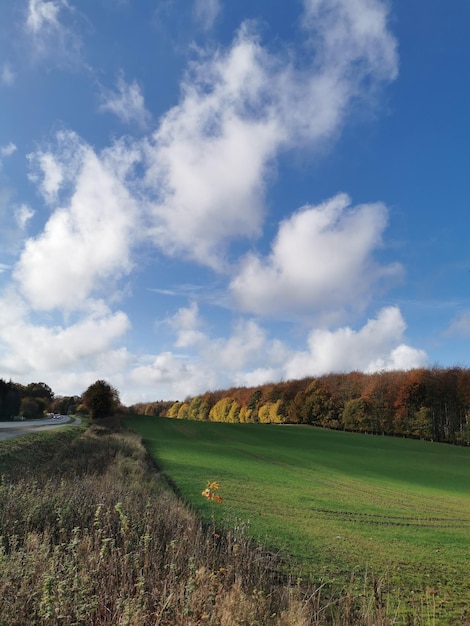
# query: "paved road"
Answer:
x=14 y=429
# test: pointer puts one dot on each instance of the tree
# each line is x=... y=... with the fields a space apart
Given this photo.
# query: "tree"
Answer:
x=32 y=408
x=10 y=399
x=65 y=405
x=39 y=390
x=101 y=399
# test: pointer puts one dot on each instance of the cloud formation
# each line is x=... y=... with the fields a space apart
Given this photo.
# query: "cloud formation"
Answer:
x=192 y=187
x=206 y=12
x=42 y=348
x=49 y=34
x=212 y=155
x=86 y=243
x=320 y=263
x=249 y=356
x=126 y=102
x=6 y=151
x=43 y=15
x=378 y=345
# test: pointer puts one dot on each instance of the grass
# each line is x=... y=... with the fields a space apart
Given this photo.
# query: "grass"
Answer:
x=339 y=505
x=90 y=534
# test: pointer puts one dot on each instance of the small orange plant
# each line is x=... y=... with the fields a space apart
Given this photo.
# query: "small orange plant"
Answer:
x=210 y=492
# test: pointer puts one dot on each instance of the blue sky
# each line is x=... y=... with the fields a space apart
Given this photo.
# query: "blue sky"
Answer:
x=201 y=194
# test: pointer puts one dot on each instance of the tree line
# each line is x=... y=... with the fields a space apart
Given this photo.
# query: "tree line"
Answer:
x=35 y=400
x=431 y=404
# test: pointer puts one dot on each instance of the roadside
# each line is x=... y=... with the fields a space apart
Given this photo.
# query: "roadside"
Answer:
x=15 y=429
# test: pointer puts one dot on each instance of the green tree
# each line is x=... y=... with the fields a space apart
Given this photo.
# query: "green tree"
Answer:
x=10 y=399
x=39 y=390
x=32 y=408
x=101 y=399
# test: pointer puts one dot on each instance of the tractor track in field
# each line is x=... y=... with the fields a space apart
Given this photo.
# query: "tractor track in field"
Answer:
x=380 y=496
x=394 y=520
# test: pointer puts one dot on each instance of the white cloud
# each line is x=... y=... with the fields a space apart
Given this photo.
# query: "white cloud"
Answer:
x=207 y=162
x=205 y=170
x=39 y=348
x=460 y=325
x=206 y=12
x=212 y=155
x=378 y=345
x=127 y=103
x=345 y=32
x=7 y=76
x=23 y=214
x=186 y=324
x=247 y=343
x=321 y=262
x=174 y=377
x=42 y=15
x=250 y=357
x=49 y=35
x=50 y=170
x=8 y=150
x=57 y=164
x=14 y=219
x=259 y=376
x=87 y=242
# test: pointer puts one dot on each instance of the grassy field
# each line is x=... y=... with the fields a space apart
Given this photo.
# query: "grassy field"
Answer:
x=91 y=534
x=337 y=504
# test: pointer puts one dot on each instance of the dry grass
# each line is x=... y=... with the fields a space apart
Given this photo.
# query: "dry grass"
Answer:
x=90 y=535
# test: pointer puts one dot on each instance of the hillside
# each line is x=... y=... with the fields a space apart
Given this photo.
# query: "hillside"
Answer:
x=90 y=534
x=345 y=508
x=432 y=404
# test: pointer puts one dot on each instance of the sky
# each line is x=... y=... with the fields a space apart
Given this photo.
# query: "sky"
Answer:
x=200 y=194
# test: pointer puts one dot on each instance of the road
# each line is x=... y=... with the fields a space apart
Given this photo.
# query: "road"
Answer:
x=15 y=429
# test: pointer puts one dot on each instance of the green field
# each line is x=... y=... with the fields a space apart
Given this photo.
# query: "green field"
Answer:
x=335 y=503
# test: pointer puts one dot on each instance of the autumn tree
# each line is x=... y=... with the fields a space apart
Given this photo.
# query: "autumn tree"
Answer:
x=101 y=399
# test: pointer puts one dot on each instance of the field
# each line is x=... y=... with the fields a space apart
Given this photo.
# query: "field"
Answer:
x=337 y=505
x=91 y=534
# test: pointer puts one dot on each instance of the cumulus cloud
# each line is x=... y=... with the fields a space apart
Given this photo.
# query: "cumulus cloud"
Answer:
x=39 y=347
x=126 y=102
x=199 y=185
x=211 y=158
x=321 y=262
x=175 y=377
x=206 y=12
x=249 y=356
x=187 y=324
x=88 y=240
x=206 y=162
x=378 y=345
